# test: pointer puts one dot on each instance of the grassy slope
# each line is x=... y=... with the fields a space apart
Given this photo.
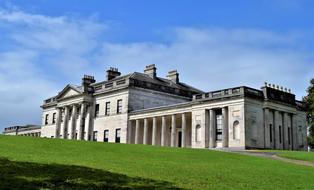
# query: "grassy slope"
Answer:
x=306 y=156
x=185 y=168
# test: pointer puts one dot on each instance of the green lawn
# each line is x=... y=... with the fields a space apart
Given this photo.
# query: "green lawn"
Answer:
x=298 y=155
x=34 y=163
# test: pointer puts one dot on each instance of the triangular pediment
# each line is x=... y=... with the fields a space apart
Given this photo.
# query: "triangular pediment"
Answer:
x=69 y=91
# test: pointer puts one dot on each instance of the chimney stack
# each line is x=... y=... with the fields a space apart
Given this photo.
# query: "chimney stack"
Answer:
x=173 y=76
x=150 y=70
x=112 y=73
x=87 y=80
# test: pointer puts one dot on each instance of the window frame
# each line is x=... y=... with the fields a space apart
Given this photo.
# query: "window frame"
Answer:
x=106 y=139
x=119 y=106
x=107 y=108
x=47 y=119
x=118 y=139
x=96 y=110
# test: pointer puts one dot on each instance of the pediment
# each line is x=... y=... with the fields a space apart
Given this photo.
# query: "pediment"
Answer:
x=68 y=91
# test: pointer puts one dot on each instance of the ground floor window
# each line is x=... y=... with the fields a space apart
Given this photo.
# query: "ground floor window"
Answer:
x=218 y=127
x=118 y=135
x=280 y=140
x=106 y=135
x=198 y=133
x=271 y=132
x=95 y=136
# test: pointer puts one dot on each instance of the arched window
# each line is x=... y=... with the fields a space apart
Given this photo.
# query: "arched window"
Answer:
x=198 y=133
x=236 y=130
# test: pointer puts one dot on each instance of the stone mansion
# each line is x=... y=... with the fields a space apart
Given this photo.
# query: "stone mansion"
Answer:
x=143 y=108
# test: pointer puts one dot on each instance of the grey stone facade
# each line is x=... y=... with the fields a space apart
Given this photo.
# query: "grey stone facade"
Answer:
x=143 y=108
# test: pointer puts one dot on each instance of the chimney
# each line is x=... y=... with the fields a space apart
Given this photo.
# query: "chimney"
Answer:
x=151 y=71
x=86 y=82
x=173 y=76
x=112 y=73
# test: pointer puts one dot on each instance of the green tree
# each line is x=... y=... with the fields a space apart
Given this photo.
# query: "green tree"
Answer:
x=309 y=104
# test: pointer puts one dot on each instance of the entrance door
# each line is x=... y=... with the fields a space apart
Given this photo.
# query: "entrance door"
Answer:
x=180 y=139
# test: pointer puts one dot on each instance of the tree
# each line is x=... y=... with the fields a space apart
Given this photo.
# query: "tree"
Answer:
x=309 y=105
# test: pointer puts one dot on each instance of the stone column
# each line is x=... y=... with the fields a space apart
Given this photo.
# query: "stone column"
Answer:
x=276 y=130
x=137 y=131
x=145 y=135
x=173 y=130
x=212 y=129
x=73 y=118
x=154 y=135
x=183 y=130
x=285 y=131
x=225 y=129
x=81 y=122
x=58 y=123
x=130 y=132
x=66 y=122
x=294 y=132
x=87 y=123
x=266 y=128
x=163 y=131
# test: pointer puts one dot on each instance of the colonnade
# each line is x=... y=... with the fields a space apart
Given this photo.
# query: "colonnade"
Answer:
x=150 y=129
x=79 y=119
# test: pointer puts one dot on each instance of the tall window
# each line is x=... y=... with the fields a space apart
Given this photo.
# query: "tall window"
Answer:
x=46 y=119
x=271 y=132
x=96 y=110
x=95 y=136
x=53 y=118
x=119 y=106
x=280 y=134
x=198 y=133
x=106 y=135
x=107 y=108
x=236 y=130
x=218 y=127
x=118 y=135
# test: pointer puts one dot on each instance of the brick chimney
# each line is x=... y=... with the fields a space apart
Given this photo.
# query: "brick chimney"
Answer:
x=87 y=80
x=112 y=73
x=173 y=76
x=150 y=70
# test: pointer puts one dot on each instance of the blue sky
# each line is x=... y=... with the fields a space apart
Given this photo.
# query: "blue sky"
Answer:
x=45 y=45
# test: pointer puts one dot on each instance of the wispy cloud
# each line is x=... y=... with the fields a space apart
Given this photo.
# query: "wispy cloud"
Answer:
x=47 y=52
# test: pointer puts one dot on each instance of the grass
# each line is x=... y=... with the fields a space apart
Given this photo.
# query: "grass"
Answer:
x=34 y=163
x=294 y=155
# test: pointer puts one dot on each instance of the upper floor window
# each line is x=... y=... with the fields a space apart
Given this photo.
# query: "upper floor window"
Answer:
x=96 y=110
x=53 y=118
x=46 y=119
x=107 y=108
x=119 y=106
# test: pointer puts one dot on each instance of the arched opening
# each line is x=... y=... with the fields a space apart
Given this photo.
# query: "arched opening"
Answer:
x=198 y=133
x=236 y=130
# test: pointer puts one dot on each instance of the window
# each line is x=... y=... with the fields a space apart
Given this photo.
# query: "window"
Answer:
x=236 y=130
x=218 y=127
x=119 y=106
x=95 y=136
x=118 y=134
x=96 y=110
x=106 y=135
x=280 y=134
x=198 y=133
x=271 y=132
x=53 y=118
x=107 y=108
x=46 y=119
